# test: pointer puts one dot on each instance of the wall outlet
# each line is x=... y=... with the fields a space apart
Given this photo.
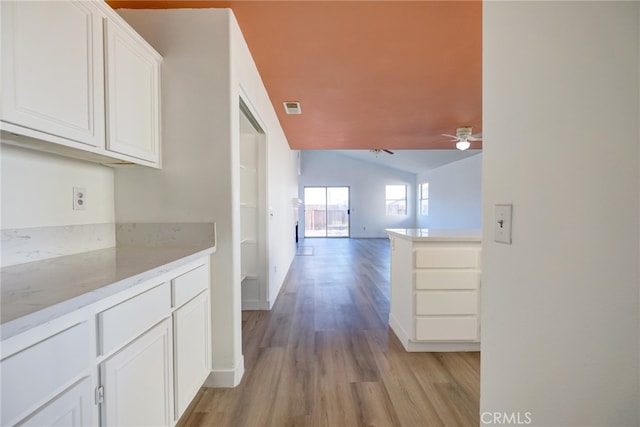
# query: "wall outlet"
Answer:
x=79 y=199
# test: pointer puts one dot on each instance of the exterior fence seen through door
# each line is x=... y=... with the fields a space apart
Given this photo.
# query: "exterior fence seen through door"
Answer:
x=326 y=212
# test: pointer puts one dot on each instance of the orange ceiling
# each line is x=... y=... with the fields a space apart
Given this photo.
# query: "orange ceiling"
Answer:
x=368 y=74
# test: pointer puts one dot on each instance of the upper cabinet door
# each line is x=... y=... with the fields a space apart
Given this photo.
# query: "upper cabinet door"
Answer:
x=52 y=69
x=133 y=93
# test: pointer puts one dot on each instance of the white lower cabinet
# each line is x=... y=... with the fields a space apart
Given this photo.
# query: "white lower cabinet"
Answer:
x=137 y=386
x=123 y=322
x=137 y=358
x=192 y=349
x=43 y=370
x=435 y=294
x=72 y=408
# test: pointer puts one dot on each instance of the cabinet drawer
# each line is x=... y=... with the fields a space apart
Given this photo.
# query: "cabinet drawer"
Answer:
x=454 y=302
x=33 y=376
x=447 y=258
x=447 y=279
x=122 y=323
x=190 y=284
x=447 y=329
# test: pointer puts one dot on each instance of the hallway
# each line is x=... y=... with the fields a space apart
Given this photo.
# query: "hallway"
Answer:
x=324 y=355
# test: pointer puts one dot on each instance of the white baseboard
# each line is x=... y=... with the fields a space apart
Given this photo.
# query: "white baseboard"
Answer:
x=369 y=236
x=441 y=346
x=255 y=305
x=225 y=378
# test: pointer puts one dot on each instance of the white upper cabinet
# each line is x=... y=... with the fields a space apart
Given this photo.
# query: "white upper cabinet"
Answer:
x=52 y=69
x=133 y=92
x=78 y=81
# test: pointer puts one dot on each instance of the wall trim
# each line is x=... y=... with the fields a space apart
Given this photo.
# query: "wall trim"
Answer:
x=370 y=236
x=255 y=305
x=225 y=378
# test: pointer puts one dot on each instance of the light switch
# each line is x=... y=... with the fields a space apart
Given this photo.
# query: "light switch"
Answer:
x=502 y=233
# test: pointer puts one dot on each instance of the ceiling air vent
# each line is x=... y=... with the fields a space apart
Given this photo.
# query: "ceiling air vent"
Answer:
x=292 y=108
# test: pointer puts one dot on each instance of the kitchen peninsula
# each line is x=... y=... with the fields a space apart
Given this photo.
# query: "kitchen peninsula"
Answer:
x=435 y=287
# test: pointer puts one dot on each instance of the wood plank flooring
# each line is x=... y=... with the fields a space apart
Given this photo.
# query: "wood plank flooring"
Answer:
x=324 y=355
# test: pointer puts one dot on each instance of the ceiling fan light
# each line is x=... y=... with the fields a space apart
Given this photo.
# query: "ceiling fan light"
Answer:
x=463 y=144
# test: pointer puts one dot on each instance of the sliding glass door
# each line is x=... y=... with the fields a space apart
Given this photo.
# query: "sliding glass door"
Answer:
x=326 y=212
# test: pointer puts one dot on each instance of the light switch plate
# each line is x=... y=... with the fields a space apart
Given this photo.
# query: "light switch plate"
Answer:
x=502 y=231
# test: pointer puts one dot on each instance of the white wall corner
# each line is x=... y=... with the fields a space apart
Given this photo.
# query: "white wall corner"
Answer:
x=226 y=378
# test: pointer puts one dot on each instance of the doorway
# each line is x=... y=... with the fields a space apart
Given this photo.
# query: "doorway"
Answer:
x=254 y=220
x=326 y=212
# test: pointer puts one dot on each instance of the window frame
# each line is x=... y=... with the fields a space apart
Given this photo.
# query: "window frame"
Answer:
x=422 y=198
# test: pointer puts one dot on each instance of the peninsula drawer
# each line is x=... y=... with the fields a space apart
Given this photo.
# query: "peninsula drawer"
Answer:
x=446 y=329
x=447 y=258
x=122 y=323
x=447 y=279
x=446 y=302
x=40 y=372
x=190 y=284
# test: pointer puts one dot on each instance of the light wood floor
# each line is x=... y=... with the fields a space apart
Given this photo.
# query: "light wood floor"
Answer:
x=324 y=356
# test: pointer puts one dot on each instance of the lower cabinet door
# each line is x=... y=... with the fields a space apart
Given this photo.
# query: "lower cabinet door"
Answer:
x=42 y=371
x=192 y=349
x=71 y=408
x=137 y=381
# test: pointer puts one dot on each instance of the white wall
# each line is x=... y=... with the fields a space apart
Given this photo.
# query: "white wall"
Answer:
x=195 y=183
x=196 y=125
x=367 y=190
x=455 y=195
x=37 y=216
x=37 y=190
x=206 y=68
x=560 y=309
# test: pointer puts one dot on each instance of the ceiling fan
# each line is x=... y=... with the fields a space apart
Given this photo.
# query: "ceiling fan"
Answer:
x=463 y=137
x=377 y=151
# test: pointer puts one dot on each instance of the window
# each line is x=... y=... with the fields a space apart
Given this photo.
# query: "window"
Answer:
x=396 y=199
x=424 y=199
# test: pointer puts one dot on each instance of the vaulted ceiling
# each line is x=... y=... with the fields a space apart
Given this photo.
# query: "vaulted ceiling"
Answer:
x=368 y=74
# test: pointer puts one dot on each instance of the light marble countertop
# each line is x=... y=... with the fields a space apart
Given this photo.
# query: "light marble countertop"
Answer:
x=36 y=292
x=435 y=235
